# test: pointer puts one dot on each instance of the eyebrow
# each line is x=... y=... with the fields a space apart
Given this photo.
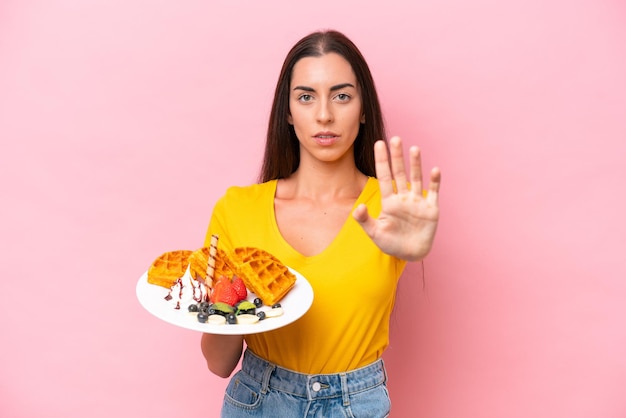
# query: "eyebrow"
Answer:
x=333 y=88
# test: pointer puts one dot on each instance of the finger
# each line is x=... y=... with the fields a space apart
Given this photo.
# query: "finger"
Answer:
x=415 y=162
x=433 y=187
x=383 y=171
x=364 y=219
x=397 y=164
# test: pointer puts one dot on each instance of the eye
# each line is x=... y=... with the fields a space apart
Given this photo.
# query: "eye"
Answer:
x=305 y=98
x=343 y=97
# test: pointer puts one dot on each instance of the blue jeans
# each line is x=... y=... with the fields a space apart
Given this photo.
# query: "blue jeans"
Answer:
x=262 y=389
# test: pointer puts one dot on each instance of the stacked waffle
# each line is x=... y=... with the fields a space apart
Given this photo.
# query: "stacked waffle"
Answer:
x=169 y=267
x=262 y=273
x=199 y=265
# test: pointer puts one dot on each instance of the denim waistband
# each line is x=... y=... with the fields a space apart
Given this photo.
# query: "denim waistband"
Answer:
x=313 y=386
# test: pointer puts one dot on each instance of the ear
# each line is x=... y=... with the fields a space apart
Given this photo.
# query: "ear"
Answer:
x=290 y=119
x=362 y=120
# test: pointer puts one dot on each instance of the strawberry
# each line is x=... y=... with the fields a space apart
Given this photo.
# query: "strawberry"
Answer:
x=228 y=295
x=240 y=288
x=223 y=291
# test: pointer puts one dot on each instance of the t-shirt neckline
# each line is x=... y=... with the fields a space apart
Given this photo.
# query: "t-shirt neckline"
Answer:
x=363 y=196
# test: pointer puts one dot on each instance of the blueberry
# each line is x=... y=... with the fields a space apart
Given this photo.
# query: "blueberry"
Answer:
x=261 y=315
x=258 y=302
x=193 y=308
x=202 y=317
x=231 y=318
x=276 y=305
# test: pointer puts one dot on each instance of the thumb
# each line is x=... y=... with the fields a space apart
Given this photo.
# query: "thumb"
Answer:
x=361 y=215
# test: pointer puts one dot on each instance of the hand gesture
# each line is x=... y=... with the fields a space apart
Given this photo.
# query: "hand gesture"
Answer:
x=408 y=220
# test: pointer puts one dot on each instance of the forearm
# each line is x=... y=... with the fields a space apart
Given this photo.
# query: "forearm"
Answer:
x=222 y=352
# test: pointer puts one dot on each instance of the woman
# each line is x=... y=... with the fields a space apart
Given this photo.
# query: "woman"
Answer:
x=332 y=205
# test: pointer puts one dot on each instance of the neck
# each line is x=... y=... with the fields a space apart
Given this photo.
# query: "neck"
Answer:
x=325 y=182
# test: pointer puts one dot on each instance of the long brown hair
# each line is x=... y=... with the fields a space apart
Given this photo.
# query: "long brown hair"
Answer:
x=282 y=150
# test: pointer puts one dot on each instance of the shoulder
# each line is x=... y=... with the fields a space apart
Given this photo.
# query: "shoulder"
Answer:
x=371 y=189
x=250 y=193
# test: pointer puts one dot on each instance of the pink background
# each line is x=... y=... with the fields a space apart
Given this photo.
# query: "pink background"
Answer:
x=122 y=123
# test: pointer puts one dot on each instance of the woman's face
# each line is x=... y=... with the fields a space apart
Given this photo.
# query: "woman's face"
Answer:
x=325 y=107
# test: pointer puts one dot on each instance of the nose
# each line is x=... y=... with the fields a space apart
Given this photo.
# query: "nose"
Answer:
x=324 y=112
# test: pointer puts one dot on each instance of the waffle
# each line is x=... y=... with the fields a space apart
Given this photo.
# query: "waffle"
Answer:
x=199 y=261
x=168 y=268
x=263 y=274
x=245 y=254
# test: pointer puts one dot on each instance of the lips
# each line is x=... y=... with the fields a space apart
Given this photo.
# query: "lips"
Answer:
x=326 y=138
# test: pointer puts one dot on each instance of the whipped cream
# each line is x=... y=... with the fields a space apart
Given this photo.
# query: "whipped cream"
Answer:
x=186 y=291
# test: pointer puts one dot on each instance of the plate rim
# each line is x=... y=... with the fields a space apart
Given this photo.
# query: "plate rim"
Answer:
x=174 y=318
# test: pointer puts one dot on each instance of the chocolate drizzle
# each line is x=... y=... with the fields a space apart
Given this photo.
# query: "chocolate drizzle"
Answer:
x=197 y=289
x=180 y=288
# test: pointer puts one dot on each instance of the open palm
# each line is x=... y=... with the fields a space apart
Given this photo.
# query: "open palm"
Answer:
x=408 y=219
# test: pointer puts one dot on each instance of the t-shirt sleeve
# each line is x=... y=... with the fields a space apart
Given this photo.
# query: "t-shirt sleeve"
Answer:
x=218 y=226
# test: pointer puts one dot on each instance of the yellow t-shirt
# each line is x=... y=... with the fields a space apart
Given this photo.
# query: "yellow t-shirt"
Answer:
x=354 y=284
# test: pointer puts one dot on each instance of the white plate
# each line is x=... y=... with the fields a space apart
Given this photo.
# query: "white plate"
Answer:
x=295 y=304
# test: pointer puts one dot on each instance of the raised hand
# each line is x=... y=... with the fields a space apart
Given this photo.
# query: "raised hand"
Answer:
x=408 y=220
